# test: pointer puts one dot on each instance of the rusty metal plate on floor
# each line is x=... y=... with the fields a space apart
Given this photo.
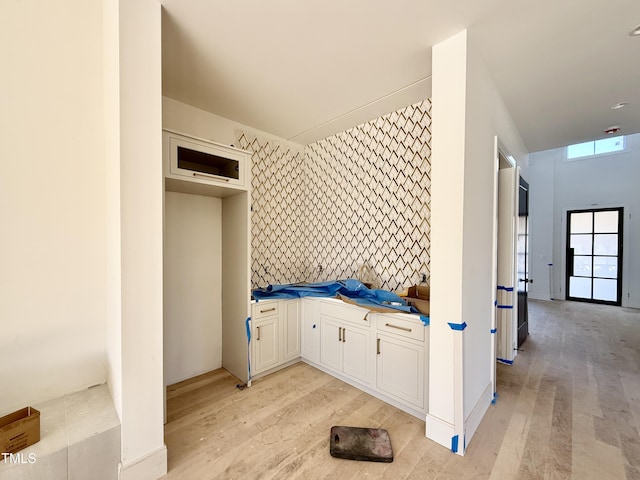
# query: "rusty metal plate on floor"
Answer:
x=356 y=443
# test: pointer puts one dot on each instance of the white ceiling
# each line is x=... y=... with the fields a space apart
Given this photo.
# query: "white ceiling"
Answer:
x=305 y=69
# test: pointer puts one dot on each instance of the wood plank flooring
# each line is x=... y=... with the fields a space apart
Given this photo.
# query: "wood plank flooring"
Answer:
x=569 y=408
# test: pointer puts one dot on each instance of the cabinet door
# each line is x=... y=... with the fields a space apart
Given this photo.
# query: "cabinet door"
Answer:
x=357 y=362
x=310 y=334
x=331 y=343
x=401 y=369
x=265 y=341
x=291 y=330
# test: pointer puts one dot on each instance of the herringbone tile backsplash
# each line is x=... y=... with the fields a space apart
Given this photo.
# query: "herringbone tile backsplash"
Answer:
x=355 y=198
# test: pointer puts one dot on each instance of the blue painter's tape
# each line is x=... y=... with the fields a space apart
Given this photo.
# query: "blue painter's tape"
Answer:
x=458 y=326
x=494 y=330
x=505 y=306
x=454 y=443
x=425 y=320
x=495 y=398
x=507 y=289
x=247 y=323
x=506 y=362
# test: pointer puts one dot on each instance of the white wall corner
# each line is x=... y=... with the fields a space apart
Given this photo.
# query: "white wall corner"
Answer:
x=149 y=467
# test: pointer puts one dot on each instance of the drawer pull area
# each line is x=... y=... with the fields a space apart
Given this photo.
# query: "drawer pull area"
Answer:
x=270 y=309
x=396 y=326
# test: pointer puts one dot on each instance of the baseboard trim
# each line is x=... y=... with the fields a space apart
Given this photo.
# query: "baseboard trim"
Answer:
x=438 y=430
x=150 y=467
x=398 y=403
x=477 y=413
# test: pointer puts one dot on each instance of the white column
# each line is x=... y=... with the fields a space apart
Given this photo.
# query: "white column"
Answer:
x=133 y=125
x=445 y=419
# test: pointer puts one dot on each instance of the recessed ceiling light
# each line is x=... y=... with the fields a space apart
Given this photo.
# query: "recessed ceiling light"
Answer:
x=620 y=105
x=635 y=32
x=612 y=129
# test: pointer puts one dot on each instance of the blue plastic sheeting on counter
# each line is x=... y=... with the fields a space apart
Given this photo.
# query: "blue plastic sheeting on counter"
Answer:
x=349 y=288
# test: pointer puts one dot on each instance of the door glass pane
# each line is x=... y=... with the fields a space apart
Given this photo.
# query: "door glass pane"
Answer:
x=582 y=266
x=605 y=289
x=606 y=222
x=579 y=287
x=605 y=267
x=581 y=244
x=581 y=222
x=605 y=244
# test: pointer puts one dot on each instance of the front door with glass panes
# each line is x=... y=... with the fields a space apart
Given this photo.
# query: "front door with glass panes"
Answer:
x=594 y=255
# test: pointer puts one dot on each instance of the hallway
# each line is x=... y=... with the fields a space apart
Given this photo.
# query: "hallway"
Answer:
x=574 y=395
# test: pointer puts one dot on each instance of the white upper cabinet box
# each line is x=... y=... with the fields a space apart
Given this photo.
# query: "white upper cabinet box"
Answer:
x=204 y=162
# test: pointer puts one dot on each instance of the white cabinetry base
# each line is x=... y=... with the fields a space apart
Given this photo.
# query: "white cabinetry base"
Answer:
x=385 y=398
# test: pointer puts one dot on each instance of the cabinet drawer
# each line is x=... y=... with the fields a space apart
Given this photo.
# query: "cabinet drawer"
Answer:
x=401 y=326
x=265 y=309
x=349 y=313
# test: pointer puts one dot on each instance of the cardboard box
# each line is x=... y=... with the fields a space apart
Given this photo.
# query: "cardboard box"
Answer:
x=421 y=305
x=419 y=291
x=418 y=297
x=19 y=429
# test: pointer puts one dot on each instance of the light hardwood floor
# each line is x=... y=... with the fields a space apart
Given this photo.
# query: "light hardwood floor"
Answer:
x=569 y=408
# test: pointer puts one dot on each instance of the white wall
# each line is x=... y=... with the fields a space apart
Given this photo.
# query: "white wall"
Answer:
x=478 y=279
x=599 y=182
x=487 y=117
x=52 y=203
x=468 y=113
x=183 y=118
x=111 y=102
x=541 y=179
x=192 y=286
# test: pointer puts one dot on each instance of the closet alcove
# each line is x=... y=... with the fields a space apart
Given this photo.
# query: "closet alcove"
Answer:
x=207 y=255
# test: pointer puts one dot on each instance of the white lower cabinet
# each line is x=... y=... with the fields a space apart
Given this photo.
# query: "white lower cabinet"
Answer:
x=401 y=362
x=383 y=354
x=290 y=330
x=266 y=344
x=344 y=347
x=400 y=369
x=310 y=330
x=275 y=334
